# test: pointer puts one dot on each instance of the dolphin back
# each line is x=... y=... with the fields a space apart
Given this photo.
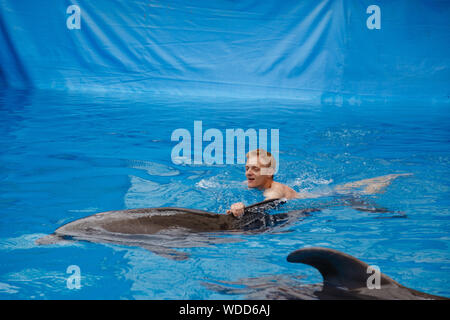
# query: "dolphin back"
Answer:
x=340 y=270
x=337 y=268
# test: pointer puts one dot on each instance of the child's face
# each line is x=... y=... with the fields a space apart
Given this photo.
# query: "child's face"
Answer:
x=255 y=173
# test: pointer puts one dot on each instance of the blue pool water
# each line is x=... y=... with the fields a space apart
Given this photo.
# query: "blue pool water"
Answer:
x=65 y=156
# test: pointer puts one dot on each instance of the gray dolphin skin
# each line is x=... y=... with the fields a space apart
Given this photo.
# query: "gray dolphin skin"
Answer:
x=162 y=229
x=344 y=276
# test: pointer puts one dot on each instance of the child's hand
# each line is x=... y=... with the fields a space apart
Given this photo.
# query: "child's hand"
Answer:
x=237 y=209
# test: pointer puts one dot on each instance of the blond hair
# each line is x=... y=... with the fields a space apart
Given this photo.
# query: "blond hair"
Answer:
x=266 y=159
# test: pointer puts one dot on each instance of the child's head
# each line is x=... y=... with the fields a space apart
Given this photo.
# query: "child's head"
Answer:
x=260 y=168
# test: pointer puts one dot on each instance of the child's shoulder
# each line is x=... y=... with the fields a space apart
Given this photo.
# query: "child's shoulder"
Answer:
x=285 y=191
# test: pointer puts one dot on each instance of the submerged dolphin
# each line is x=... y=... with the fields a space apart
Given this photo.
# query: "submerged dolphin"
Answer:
x=161 y=229
x=344 y=277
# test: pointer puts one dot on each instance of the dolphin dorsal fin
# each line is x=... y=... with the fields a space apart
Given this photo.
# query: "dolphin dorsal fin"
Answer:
x=337 y=268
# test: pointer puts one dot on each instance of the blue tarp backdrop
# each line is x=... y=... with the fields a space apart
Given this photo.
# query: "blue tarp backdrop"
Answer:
x=330 y=51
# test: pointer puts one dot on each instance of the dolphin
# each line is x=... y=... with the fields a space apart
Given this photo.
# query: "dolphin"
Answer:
x=162 y=229
x=344 y=278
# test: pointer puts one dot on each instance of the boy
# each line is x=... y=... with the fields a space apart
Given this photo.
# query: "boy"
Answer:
x=260 y=168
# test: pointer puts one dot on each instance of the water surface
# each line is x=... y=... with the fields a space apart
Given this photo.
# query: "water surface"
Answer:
x=65 y=156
